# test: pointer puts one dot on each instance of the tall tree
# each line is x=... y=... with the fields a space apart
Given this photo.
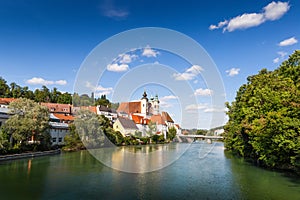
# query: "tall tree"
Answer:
x=29 y=121
x=65 y=98
x=4 y=88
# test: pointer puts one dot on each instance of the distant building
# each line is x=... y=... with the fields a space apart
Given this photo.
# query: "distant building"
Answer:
x=218 y=131
x=58 y=108
x=141 y=123
x=178 y=129
x=109 y=113
x=59 y=127
x=125 y=126
x=4 y=111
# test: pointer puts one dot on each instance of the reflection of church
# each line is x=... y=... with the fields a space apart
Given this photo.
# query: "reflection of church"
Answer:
x=144 y=107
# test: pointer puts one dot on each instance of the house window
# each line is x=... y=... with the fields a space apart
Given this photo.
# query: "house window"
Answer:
x=60 y=139
x=54 y=140
x=0 y=124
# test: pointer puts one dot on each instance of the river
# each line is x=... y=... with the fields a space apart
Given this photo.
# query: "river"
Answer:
x=203 y=171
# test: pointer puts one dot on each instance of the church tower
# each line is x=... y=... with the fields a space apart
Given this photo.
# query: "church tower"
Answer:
x=155 y=104
x=144 y=104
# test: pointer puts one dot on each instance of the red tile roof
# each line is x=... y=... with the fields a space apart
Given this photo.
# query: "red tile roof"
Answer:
x=90 y=108
x=167 y=117
x=139 y=119
x=130 y=107
x=157 y=119
x=64 y=117
x=6 y=101
x=58 y=108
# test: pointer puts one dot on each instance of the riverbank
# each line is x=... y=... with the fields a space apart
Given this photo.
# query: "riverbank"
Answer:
x=29 y=155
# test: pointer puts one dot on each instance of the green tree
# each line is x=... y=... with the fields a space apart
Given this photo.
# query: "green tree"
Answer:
x=65 y=98
x=28 y=120
x=54 y=95
x=89 y=129
x=152 y=129
x=4 y=88
x=264 y=119
x=72 y=140
x=103 y=101
x=172 y=133
x=4 y=144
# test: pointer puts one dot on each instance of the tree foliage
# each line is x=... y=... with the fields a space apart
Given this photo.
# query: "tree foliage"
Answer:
x=172 y=133
x=264 y=119
x=28 y=120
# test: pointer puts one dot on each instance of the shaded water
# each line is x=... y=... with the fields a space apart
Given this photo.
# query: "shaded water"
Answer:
x=198 y=174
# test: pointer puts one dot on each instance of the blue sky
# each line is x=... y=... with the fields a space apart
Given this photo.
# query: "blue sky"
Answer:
x=46 y=42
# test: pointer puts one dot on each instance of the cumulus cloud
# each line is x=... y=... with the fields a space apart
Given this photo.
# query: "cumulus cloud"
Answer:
x=99 y=90
x=203 y=92
x=288 y=42
x=189 y=74
x=271 y=12
x=115 y=67
x=148 y=52
x=244 y=21
x=41 y=81
x=233 y=71
x=274 y=11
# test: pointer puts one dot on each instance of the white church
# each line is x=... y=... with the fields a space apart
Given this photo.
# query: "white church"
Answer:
x=141 y=112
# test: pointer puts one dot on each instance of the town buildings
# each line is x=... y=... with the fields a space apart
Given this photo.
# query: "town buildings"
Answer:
x=137 y=118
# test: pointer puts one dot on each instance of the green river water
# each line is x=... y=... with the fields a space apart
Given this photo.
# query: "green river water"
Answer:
x=203 y=171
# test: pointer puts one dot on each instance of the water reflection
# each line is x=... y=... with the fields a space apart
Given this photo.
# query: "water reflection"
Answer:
x=29 y=167
x=139 y=159
x=80 y=176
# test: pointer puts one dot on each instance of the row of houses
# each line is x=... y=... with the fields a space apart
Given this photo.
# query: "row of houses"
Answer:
x=131 y=118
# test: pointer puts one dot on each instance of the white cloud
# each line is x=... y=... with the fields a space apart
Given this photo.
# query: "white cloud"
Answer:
x=165 y=101
x=41 y=81
x=244 y=21
x=148 y=52
x=203 y=92
x=288 y=42
x=233 y=71
x=189 y=74
x=211 y=110
x=127 y=58
x=281 y=54
x=169 y=97
x=275 y=10
x=61 y=82
x=220 y=25
x=276 y=60
x=117 y=68
x=200 y=106
x=271 y=12
x=99 y=90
